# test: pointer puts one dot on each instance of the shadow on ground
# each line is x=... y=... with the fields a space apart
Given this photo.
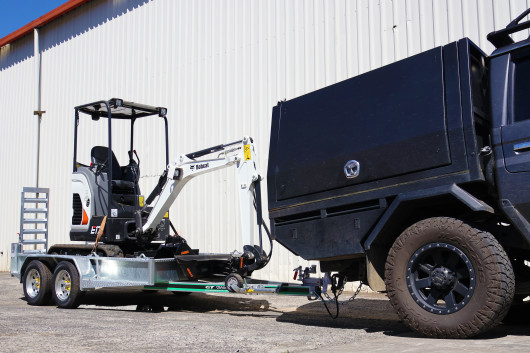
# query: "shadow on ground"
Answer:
x=158 y=302
x=370 y=315
x=378 y=316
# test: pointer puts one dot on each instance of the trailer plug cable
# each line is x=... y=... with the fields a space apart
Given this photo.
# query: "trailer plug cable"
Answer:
x=318 y=292
x=337 y=289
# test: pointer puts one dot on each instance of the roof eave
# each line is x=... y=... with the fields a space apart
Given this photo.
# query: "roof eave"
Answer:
x=41 y=21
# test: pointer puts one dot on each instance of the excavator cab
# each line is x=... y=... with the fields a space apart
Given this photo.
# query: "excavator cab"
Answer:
x=104 y=187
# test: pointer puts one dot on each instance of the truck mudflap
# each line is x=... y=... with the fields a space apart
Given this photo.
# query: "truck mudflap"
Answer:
x=517 y=219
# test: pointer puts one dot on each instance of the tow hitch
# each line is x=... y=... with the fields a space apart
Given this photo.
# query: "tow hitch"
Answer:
x=320 y=287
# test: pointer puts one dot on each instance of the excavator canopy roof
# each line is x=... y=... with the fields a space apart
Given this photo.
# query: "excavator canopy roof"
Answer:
x=120 y=109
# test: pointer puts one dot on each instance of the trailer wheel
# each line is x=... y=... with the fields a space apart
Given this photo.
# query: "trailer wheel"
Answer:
x=37 y=283
x=66 y=291
x=447 y=279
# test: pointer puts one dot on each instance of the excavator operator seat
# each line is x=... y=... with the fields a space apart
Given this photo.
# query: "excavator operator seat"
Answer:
x=99 y=156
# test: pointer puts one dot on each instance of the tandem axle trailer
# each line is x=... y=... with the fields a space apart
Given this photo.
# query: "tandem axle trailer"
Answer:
x=93 y=271
x=46 y=274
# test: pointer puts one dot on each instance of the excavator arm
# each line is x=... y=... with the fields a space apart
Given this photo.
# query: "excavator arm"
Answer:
x=241 y=154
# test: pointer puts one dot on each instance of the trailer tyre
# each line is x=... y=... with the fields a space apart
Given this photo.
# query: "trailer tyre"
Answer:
x=37 y=283
x=447 y=279
x=66 y=291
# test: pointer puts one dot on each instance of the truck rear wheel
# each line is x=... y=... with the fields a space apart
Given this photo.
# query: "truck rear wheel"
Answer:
x=37 y=283
x=447 y=279
x=66 y=291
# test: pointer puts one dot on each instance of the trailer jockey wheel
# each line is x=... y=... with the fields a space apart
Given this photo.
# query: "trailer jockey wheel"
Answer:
x=233 y=281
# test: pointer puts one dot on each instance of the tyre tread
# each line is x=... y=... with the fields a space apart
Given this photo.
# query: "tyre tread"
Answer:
x=500 y=290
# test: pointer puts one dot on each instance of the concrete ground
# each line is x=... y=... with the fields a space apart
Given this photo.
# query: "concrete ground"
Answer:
x=108 y=321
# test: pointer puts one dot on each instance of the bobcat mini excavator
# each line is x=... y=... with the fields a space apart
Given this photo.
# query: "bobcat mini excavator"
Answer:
x=109 y=210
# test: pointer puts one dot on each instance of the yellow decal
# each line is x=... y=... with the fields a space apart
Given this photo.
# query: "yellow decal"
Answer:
x=166 y=215
x=246 y=149
x=141 y=201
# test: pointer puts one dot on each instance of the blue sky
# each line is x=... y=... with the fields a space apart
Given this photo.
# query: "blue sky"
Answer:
x=17 y=13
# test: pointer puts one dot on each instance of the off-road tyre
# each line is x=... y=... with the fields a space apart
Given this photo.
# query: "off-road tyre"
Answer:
x=37 y=283
x=66 y=291
x=483 y=295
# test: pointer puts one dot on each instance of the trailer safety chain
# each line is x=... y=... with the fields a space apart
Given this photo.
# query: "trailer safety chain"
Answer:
x=336 y=293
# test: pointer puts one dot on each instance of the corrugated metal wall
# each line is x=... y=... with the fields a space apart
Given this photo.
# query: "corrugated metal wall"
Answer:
x=219 y=67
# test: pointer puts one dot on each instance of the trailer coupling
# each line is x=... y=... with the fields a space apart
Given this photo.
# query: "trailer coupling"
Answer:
x=320 y=287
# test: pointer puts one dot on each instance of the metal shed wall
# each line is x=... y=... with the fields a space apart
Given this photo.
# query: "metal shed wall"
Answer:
x=219 y=67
